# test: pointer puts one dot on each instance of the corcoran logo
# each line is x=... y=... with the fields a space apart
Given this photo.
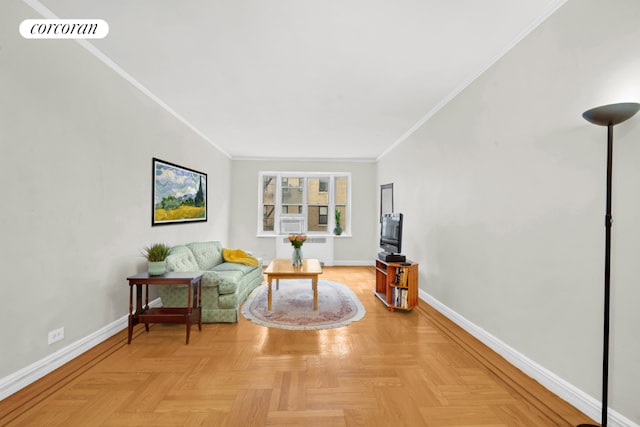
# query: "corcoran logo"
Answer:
x=64 y=28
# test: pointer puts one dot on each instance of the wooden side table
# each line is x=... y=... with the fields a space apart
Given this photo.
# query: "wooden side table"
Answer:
x=281 y=268
x=143 y=314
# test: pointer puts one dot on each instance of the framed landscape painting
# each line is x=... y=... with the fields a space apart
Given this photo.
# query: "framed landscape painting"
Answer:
x=179 y=194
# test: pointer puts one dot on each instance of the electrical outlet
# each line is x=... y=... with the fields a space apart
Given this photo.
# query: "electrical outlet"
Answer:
x=56 y=335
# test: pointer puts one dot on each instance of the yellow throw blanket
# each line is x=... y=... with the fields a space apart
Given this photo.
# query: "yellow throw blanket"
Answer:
x=239 y=257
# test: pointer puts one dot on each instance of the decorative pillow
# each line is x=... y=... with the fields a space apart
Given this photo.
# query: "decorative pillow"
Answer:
x=207 y=254
x=181 y=259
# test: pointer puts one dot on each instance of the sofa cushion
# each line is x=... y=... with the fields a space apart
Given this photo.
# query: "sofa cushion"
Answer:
x=232 y=266
x=207 y=254
x=181 y=259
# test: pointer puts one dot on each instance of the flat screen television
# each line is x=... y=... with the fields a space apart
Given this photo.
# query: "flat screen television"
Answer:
x=391 y=233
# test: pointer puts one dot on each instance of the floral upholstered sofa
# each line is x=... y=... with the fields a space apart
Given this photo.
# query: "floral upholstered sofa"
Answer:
x=225 y=285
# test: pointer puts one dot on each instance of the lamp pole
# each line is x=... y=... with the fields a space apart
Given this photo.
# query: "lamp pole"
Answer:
x=609 y=116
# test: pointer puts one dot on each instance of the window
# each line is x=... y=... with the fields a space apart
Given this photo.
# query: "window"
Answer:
x=304 y=201
x=322 y=215
x=317 y=203
x=340 y=190
x=268 y=202
x=292 y=195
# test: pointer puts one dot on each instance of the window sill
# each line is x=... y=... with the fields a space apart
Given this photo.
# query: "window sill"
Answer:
x=308 y=235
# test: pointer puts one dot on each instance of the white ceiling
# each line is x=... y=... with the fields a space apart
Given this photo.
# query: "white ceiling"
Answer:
x=306 y=79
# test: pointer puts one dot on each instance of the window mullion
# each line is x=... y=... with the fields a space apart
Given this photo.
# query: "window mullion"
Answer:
x=332 y=204
x=277 y=203
x=305 y=205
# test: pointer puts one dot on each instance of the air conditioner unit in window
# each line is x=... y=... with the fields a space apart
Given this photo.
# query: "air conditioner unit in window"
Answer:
x=291 y=224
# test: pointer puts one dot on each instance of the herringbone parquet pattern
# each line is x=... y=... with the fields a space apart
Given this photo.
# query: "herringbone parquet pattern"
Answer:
x=389 y=369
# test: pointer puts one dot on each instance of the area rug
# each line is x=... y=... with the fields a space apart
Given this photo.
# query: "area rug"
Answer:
x=292 y=306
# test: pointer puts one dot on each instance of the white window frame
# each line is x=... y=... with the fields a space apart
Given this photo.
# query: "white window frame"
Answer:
x=346 y=227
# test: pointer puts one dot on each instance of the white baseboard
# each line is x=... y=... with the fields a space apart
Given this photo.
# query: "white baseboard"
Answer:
x=365 y=263
x=565 y=390
x=29 y=374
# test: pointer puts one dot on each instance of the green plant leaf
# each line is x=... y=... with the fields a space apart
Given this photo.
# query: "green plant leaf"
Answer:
x=156 y=252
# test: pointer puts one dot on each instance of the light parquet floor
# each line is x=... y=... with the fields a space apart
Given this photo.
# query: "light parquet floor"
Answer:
x=389 y=369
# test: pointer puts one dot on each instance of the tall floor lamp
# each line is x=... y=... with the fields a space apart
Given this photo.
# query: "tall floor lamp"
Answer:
x=609 y=116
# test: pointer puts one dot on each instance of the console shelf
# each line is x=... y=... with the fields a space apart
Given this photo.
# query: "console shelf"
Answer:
x=397 y=284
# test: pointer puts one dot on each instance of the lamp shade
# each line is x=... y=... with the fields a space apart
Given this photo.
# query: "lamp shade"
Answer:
x=611 y=114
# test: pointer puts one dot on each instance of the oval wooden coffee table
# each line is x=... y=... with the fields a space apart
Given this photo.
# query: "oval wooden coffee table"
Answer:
x=281 y=268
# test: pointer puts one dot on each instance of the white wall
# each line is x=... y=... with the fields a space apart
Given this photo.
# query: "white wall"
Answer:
x=504 y=196
x=76 y=147
x=357 y=249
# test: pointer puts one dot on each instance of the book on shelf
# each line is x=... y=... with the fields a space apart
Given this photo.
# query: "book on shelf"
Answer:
x=401 y=277
x=399 y=297
x=404 y=278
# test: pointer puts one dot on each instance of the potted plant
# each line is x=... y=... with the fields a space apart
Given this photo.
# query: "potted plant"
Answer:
x=156 y=255
x=338 y=228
